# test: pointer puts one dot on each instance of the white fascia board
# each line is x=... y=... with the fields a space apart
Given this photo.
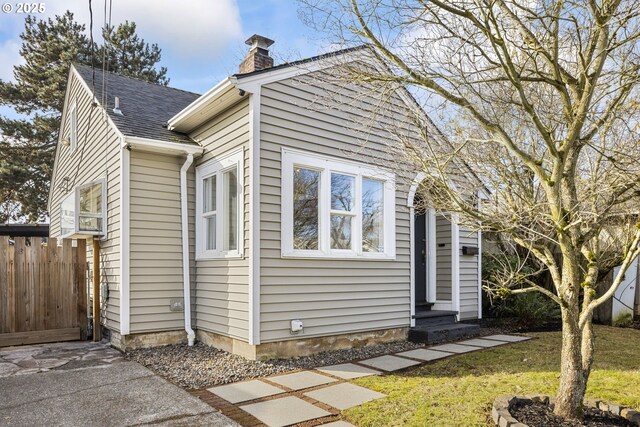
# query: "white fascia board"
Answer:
x=200 y=103
x=157 y=145
x=250 y=83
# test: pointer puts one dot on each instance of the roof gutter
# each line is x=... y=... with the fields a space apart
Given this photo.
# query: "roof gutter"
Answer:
x=157 y=145
x=199 y=103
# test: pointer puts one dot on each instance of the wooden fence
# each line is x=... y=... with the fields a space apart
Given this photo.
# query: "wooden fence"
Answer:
x=43 y=293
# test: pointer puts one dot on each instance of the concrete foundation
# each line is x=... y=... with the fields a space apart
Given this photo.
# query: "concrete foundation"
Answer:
x=273 y=350
x=301 y=346
x=148 y=340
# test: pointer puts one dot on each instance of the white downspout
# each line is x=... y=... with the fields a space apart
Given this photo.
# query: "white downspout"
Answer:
x=184 y=210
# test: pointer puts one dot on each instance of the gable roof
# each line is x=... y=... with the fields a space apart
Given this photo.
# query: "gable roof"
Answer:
x=146 y=107
x=327 y=55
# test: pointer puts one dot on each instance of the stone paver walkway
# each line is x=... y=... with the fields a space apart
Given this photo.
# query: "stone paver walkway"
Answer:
x=34 y=359
x=316 y=397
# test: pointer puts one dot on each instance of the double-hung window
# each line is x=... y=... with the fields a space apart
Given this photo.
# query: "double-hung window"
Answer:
x=335 y=208
x=219 y=224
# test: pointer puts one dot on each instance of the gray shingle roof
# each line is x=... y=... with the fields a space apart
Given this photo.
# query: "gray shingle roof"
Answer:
x=146 y=107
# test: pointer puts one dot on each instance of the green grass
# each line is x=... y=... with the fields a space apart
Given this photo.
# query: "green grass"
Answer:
x=459 y=391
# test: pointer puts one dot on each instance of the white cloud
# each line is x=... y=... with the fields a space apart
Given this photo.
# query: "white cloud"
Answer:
x=185 y=29
x=9 y=57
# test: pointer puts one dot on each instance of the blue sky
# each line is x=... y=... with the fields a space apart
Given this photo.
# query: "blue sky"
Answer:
x=202 y=41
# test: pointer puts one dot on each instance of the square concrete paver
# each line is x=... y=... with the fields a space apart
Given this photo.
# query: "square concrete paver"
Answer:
x=285 y=411
x=507 y=338
x=348 y=371
x=344 y=396
x=301 y=380
x=455 y=348
x=389 y=363
x=480 y=342
x=241 y=392
x=423 y=354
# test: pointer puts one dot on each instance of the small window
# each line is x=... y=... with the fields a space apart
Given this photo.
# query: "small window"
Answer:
x=82 y=212
x=73 y=127
x=334 y=208
x=219 y=203
x=306 y=188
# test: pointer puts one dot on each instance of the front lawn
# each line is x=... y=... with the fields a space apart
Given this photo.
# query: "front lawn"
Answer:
x=459 y=391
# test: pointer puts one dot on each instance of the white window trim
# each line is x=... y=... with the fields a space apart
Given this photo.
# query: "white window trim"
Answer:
x=76 y=213
x=217 y=167
x=73 y=127
x=292 y=158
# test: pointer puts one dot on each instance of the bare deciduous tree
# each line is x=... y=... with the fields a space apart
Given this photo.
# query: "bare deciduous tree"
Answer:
x=538 y=99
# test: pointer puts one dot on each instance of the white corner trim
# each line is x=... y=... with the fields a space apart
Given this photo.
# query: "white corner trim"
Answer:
x=125 y=230
x=412 y=265
x=163 y=146
x=254 y=215
x=432 y=248
x=479 y=273
x=455 y=264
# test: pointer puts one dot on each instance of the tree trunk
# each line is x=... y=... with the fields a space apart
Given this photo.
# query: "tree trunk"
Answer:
x=573 y=375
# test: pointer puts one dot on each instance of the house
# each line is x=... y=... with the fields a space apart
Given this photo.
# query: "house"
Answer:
x=252 y=218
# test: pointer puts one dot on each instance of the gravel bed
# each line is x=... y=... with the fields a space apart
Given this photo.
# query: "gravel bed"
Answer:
x=202 y=366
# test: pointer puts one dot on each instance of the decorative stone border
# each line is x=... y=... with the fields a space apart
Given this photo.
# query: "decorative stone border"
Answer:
x=502 y=417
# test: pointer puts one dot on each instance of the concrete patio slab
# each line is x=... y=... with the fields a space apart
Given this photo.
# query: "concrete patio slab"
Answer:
x=122 y=394
x=247 y=390
x=348 y=371
x=301 y=380
x=338 y=424
x=284 y=411
x=455 y=348
x=389 y=363
x=344 y=396
x=481 y=342
x=507 y=338
x=424 y=354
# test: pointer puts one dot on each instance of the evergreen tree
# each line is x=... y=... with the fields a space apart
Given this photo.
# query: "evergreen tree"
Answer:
x=27 y=145
x=129 y=55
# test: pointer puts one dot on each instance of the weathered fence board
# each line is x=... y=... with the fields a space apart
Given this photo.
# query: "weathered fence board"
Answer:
x=43 y=294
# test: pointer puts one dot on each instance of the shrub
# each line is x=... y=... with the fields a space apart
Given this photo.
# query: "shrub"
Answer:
x=530 y=310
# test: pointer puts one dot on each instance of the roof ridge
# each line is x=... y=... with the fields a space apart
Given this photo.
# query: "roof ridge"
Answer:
x=77 y=64
x=305 y=60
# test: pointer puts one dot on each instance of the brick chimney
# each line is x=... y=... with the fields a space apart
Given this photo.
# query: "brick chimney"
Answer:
x=258 y=57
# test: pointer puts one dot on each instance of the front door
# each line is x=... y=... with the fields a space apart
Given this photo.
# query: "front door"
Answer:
x=420 y=257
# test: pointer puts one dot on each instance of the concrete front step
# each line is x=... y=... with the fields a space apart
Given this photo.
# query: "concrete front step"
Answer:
x=439 y=333
x=435 y=317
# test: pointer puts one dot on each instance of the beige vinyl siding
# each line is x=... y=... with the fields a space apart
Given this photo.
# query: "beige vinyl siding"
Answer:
x=469 y=269
x=329 y=296
x=222 y=285
x=444 y=281
x=156 y=241
x=97 y=156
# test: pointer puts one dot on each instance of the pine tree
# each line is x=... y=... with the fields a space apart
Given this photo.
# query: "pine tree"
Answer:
x=129 y=55
x=27 y=145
